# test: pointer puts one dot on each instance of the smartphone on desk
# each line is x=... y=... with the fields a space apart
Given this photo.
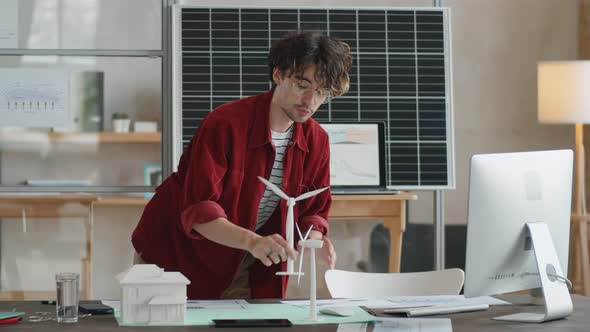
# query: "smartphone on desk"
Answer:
x=95 y=309
x=252 y=322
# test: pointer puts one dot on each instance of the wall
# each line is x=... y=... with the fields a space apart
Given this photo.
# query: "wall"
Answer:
x=496 y=47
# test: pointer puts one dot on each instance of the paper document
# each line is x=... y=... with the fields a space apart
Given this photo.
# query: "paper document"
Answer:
x=401 y=325
x=324 y=302
x=209 y=305
x=357 y=302
x=297 y=315
x=218 y=304
x=403 y=301
x=34 y=97
x=414 y=325
x=441 y=300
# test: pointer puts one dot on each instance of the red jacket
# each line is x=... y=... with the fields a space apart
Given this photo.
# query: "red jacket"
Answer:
x=217 y=177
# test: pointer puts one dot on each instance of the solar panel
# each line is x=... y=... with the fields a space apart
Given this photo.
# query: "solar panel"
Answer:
x=400 y=75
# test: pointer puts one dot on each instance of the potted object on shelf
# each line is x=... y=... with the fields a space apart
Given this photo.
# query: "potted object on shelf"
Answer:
x=121 y=122
x=145 y=126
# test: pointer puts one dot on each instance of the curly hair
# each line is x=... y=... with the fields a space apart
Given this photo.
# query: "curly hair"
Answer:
x=298 y=50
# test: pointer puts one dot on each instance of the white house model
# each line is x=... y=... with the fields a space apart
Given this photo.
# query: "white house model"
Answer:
x=151 y=296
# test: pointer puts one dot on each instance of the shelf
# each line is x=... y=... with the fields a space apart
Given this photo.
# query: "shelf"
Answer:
x=77 y=137
x=46 y=205
x=121 y=200
x=61 y=198
x=107 y=137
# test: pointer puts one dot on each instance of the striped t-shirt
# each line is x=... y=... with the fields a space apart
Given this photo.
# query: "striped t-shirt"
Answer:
x=270 y=200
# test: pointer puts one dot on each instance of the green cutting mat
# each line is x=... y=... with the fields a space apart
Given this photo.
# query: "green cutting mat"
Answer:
x=297 y=315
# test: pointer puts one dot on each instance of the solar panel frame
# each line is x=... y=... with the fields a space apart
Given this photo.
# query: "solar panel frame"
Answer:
x=414 y=96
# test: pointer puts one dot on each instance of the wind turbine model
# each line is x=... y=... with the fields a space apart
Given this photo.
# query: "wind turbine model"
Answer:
x=290 y=223
x=312 y=245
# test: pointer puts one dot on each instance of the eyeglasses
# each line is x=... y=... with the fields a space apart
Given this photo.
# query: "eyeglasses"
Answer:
x=301 y=87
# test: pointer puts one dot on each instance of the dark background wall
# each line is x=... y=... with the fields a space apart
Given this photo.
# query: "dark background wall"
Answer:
x=417 y=248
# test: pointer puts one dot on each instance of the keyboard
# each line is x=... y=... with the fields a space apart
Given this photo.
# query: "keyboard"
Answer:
x=437 y=310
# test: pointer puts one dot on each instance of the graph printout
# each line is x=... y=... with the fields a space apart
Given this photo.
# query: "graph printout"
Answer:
x=354 y=154
x=33 y=98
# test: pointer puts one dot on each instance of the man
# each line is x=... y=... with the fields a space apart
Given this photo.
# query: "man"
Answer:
x=213 y=220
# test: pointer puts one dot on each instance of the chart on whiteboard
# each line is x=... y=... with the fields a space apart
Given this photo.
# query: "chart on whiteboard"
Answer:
x=33 y=97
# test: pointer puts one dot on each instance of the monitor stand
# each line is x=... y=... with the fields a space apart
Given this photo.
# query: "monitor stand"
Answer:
x=558 y=303
x=536 y=296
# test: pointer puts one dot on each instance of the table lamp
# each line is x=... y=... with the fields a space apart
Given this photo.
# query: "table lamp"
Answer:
x=564 y=98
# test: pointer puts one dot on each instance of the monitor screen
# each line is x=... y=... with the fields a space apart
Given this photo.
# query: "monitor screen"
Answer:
x=356 y=154
x=507 y=191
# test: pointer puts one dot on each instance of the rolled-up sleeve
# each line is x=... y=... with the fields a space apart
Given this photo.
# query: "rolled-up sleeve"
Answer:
x=314 y=211
x=204 y=179
x=317 y=223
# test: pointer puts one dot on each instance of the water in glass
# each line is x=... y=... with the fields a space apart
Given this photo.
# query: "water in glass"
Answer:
x=68 y=295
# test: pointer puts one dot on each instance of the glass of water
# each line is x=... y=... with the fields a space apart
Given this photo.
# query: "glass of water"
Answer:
x=68 y=296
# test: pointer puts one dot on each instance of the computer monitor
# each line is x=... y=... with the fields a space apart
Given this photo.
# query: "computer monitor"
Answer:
x=512 y=196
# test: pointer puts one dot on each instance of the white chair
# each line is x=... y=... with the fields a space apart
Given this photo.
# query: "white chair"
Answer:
x=346 y=284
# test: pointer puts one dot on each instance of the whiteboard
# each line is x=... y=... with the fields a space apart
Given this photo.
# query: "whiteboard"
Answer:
x=33 y=97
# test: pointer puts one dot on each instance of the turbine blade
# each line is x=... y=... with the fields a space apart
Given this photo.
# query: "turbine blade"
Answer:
x=308 y=231
x=274 y=188
x=299 y=231
x=309 y=194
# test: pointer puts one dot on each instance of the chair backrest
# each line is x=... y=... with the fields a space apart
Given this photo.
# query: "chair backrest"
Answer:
x=343 y=284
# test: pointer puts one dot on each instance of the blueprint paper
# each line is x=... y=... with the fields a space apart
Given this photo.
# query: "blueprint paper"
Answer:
x=297 y=315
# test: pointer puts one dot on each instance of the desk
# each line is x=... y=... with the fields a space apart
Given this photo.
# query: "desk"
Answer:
x=466 y=322
x=389 y=207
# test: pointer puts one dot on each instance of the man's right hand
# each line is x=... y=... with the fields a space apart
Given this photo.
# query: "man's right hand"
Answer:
x=271 y=249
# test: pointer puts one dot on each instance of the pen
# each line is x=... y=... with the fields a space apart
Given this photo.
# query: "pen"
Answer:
x=369 y=310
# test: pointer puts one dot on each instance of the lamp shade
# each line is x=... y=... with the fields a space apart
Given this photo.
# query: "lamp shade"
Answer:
x=563 y=89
